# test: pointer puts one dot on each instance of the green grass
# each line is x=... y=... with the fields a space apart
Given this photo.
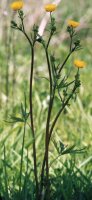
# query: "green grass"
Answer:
x=70 y=175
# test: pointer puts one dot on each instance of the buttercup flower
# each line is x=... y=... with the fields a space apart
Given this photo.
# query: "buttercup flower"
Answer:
x=72 y=23
x=79 y=63
x=50 y=7
x=17 y=5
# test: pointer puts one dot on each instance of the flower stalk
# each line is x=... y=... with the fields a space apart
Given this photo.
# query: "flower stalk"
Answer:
x=31 y=43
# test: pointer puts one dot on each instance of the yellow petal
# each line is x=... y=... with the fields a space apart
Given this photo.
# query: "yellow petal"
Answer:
x=79 y=63
x=50 y=7
x=72 y=23
x=17 y=5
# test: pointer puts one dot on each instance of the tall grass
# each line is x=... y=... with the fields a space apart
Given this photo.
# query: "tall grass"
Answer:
x=75 y=126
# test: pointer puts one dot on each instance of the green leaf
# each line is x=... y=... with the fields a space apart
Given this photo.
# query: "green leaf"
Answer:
x=23 y=110
x=15 y=119
x=13 y=23
x=72 y=150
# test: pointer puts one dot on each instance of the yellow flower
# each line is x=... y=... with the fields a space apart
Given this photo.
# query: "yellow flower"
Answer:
x=72 y=23
x=50 y=7
x=79 y=63
x=17 y=5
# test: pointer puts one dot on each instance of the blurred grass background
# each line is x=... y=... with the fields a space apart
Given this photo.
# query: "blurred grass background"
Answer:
x=75 y=124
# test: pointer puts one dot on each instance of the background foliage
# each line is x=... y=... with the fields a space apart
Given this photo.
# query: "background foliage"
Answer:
x=74 y=126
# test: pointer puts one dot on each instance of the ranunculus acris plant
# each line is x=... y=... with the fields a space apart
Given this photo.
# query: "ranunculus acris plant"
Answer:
x=56 y=84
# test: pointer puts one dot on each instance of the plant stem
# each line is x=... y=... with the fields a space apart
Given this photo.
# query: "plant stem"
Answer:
x=46 y=154
x=30 y=100
x=48 y=117
x=31 y=118
x=14 y=68
x=47 y=130
x=70 y=52
x=64 y=62
x=60 y=111
x=48 y=122
x=51 y=130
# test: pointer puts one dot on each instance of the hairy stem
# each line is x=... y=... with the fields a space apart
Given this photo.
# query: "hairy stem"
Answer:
x=48 y=119
x=60 y=111
x=31 y=119
x=47 y=130
x=31 y=105
x=69 y=54
x=64 y=62
x=52 y=127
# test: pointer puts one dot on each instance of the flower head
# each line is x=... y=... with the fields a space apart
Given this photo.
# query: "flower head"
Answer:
x=79 y=63
x=72 y=23
x=17 y=5
x=50 y=7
